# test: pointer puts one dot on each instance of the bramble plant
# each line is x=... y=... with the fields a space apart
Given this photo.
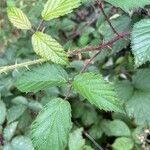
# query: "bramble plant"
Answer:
x=86 y=93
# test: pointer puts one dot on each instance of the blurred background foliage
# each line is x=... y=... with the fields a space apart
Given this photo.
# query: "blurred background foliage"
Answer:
x=85 y=27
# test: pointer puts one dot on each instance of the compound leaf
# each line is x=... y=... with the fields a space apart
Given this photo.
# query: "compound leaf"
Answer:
x=44 y=76
x=97 y=91
x=51 y=128
x=48 y=48
x=140 y=42
x=18 y=18
x=55 y=8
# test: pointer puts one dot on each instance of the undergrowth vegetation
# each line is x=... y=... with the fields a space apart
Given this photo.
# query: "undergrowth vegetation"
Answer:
x=74 y=74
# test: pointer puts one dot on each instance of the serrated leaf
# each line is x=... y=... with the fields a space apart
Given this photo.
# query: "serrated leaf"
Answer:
x=115 y=128
x=51 y=128
x=21 y=143
x=140 y=42
x=97 y=91
x=2 y=112
x=76 y=141
x=9 y=131
x=39 y=78
x=48 y=48
x=56 y=8
x=123 y=143
x=18 y=18
x=127 y=5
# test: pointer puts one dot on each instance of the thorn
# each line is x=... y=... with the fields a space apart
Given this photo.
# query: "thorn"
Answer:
x=27 y=67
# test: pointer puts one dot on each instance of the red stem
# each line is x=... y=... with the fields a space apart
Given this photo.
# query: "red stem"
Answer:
x=106 y=17
x=102 y=46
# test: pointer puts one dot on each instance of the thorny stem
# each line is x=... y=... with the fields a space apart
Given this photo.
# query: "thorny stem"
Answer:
x=89 y=62
x=102 y=46
x=21 y=65
x=106 y=17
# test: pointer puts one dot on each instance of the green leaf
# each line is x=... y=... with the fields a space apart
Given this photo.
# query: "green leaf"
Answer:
x=15 y=112
x=48 y=48
x=51 y=127
x=123 y=143
x=140 y=42
x=97 y=91
x=96 y=130
x=127 y=5
x=55 y=8
x=20 y=100
x=141 y=80
x=39 y=78
x=76 y=141
x=21 y=143
x=2 y=112
x=115 y=128
x=9 y=131
x=138 y=107
x=18 y=18
x=124 y=89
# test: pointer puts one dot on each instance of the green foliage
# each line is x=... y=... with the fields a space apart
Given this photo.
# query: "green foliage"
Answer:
x=51 y=127
x=21 y=143
x=40 y=102
x=140 y=42
x=15 y=112
x=128 y=4
x=121 y=24
x=115 y=128
x=44 y=76
x=123 y=143
x=18 y=18
x=48 y=48
x=97 y=91
x=10 y=130
x=2 y=112
x=56 y=8
x=76 y=141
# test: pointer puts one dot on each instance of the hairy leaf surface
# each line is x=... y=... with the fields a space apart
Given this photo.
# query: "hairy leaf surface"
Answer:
x=48 y=48
x=47 y=75
x=141 y=42
x=51 y=128
x=97 y=91
x=18 y=18
x=55 y=8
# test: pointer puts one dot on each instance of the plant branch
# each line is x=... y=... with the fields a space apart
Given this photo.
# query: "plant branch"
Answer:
x=92 y=140
x=5 y=69
x=90 y=61
x=40 y=25
x=106 y=17
x=102 y=46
